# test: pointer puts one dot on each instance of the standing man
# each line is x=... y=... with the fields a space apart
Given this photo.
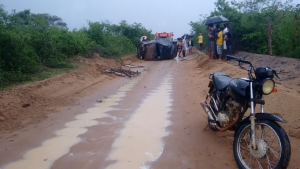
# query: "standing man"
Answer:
x=200 y=41
x=216 y=31
x=142 y=47
x=179 y=47
x=228 y=38
x=184 y=46
x=211 y=45
x=225 y=30
x=219 y=43
x=190 y=46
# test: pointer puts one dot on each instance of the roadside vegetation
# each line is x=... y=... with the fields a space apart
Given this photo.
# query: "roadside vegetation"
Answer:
x=37 y=46
x=250 y=21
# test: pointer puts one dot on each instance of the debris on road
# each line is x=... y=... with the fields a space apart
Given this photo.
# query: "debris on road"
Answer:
x=123 y=72
x=25 y=105
x=132 y=66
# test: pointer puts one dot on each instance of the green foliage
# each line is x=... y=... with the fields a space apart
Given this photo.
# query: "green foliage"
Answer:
x=31 y=44
x=132 y=32
x=198 y=27
x=116 y=46
x=16 y=54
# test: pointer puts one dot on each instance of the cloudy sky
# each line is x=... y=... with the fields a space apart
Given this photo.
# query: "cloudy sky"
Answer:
x=156 y=15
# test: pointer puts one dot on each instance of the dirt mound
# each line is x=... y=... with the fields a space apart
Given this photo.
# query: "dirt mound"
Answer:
x=131 y=59
x=209 y=66
x=30 y=103
x=288 y=69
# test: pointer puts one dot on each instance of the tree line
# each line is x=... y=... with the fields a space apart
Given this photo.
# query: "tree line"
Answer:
x=34 y=43
x=250 y=21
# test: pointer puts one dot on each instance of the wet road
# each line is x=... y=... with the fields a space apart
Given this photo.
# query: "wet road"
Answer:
x=137 y=114
x=151 y=121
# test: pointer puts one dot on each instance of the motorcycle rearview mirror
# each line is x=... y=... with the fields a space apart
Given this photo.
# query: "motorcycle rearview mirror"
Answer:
x=275 y=73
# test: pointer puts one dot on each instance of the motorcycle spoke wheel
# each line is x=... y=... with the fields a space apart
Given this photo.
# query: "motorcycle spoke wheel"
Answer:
x=269 y=150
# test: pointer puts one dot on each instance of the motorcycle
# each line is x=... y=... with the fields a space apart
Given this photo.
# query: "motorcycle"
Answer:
x=259 y=141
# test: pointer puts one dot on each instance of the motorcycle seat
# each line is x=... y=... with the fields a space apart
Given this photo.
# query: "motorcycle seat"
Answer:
x=221 y=80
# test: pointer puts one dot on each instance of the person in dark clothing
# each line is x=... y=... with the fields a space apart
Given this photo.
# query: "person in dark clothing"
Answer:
x=216 y=31
x=211 y=45
x=228 y=39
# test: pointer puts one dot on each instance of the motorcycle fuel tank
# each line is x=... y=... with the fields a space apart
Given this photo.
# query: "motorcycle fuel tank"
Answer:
x=238 y=88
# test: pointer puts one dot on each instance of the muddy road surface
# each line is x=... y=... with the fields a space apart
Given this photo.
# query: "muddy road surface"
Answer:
x=153 y=120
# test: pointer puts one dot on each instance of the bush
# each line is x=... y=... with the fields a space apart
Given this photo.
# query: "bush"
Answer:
x=29 y=42
x=115 y=47
x=59 y=61
x=16 y=54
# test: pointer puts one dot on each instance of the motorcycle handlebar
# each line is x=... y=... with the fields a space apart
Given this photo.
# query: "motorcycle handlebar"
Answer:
x=239 y=59
x=242 y=60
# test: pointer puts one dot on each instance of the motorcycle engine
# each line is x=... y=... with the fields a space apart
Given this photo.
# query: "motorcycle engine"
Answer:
x=228 y=114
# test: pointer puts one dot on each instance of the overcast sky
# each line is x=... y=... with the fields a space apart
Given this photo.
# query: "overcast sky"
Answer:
x=156 y=15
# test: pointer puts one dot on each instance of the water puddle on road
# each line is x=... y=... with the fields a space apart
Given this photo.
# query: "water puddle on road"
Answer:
x=52 y=149
x=139 y=142
x=141 y=139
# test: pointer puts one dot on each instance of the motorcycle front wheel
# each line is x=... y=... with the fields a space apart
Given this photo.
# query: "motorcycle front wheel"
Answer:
x=273 y=146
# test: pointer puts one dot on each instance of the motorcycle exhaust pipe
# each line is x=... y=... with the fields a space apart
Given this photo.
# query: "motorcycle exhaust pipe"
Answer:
x=207 y=110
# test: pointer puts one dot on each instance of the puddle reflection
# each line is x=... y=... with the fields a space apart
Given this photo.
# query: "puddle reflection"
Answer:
x=141 y=139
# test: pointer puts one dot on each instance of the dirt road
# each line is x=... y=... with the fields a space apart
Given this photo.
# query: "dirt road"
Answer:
x=87 y=119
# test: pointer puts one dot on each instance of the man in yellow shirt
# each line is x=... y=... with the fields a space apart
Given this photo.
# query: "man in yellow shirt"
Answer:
x=200 y=40
x=219 y=43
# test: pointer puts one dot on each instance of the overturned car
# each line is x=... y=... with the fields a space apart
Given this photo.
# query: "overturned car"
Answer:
x=161 y=48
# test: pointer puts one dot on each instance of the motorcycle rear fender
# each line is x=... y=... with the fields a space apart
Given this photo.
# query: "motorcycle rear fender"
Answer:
x=263 y=116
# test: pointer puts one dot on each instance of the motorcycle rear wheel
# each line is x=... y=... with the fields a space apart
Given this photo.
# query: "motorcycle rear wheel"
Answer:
x=273 y=146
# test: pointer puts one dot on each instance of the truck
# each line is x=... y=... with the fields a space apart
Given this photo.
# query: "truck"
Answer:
x=161 y=48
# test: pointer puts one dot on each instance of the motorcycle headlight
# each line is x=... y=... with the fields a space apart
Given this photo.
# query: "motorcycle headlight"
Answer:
x=268 y=86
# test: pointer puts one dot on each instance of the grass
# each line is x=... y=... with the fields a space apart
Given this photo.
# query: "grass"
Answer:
x=44 y=73
x=16 y=79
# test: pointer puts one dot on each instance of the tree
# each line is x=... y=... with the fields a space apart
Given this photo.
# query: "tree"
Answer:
x=250 y=6
x=198 y=27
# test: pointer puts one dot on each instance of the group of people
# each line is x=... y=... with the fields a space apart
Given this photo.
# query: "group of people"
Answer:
x=184 y=45
x=219 y=38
